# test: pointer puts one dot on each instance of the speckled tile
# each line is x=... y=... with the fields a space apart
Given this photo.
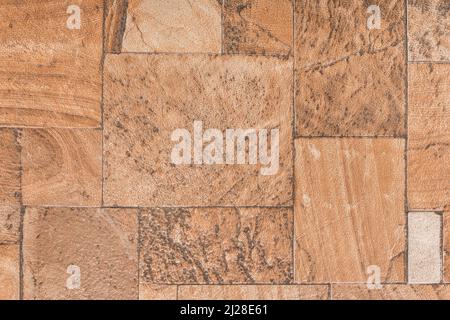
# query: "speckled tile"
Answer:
x=147 y=97
x=428 y=30
x=349 y=209
x=258 y=26
x=102 y=243
x=252 y=292
x=173 y=26
x=51 y=75
x=9 y=167
x=9 y=272
x=429 y=136
x=350 y=81
x=62 y=167
x=9 y=224
x=216 y=245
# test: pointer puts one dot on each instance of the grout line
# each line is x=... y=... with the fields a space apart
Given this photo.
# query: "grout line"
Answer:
x=160 y=207
x=138 y=242
x=406 y=125
x=214 y=54
x=102 y=92
x=294 y=183
x=350 y=137
x=222 y=33
x=428 y=62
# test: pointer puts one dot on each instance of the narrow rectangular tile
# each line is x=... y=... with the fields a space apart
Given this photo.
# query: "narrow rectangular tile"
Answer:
x=349 y=209
x=253 y=292
x=429 y=136
x=157 y=292
x=173 y=26
x=9 y=272
x=62 y=167
x=446 y=245
x=216 y=245
x=428 y=30
x=9 y=224
x=80 y=253
x=51 y=74
x=424 y=248
x=258 y=26
x=391 y=292
x=349 y=78
x=9 y=168
x=115 y=23
x=151 y=101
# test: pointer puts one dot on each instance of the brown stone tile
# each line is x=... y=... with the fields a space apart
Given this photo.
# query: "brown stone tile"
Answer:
x=50 y=73
x=9 y=168
x=9 y=224
x=147 y=97
x=9 y=272
x=429 y=136
x=253 y=292
x=216 y=245
x=173 y=26
x=349 y=209
x=258 y=26
x=446 y=245
x=62 y=167
x=115 y=23
x=349 y=79
x=102 y=243
x=428 y=30
x=391 y=292
x=157 y=292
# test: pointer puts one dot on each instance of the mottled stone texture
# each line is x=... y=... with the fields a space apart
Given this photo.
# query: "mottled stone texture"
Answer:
x=9 y=272
x=51 y=75
x=258 y=26
x=429 y=30
x=147 y=97
x=216 y=245
x=101 y=242
x=349 y=79
x=429 y=136
x=349 y=209
x=115 y=23
x=9 y=224
x=9 y=167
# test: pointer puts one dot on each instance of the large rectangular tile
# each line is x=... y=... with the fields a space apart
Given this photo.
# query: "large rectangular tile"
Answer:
x=428 y=30
x=51 y=75
x=216 y=245
x=349 y=209
x=9 y=272
x=80 y=253
x=349 y=78
x=9 y=167
x=62 y=167
x=258 y=26
x=151 y=101
x=253 y=292
x=173 y=26
x=429 y=136
x=9 y=224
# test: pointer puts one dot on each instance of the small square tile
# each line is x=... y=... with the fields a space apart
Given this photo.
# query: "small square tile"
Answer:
x=428 y=30
x=148 y=98
x=9 y=167
x=51 y=75
x=258 y=26
x=173 y=26
x=216 y=245
x=9 y=224
x=350 y=81
x=9 y=272
x=429 y=136
x=62 y=167
x=82 y=253
x=349 y=209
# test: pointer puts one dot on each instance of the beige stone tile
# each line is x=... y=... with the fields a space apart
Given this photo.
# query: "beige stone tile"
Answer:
x=258 y=26
x=391 y=292
x=173 y=26
x=429 y=136
x=9 y=224
x=216 y=245
x=157 y=292
x=9 y=272
x=349 y=209
x=9 y=168
x=424 y=248
x=148 y=97
x=349 y=79
x=253 y=292
x=102 y=243
x=62 y=167
x=51 y=75
x=428 y=30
